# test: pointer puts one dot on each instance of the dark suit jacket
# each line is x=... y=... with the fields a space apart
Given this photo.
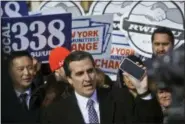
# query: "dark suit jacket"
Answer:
x=113 y=109
x=13 y=111
x=67 y=111
x=37 y=96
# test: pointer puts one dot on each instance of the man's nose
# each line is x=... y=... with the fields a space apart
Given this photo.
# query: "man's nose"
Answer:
x=165 y=95
x=26 y=71
x=161 y=48
x=87 y=77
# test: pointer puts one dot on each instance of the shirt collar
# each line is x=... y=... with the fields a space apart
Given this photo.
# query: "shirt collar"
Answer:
x=83 y=100
x=28 y=92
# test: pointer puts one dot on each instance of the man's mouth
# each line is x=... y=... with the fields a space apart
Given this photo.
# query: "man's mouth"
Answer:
x=88 y=85
x=161 y=53
x=167 y=99
x=27 y=79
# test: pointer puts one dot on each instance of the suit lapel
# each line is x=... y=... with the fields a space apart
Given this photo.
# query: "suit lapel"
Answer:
x=36 y=98
x=106 y=106
x=33 y=101
x=74 y=111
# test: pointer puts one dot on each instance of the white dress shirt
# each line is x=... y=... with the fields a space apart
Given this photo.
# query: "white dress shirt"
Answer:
x=82 y=103
x=148 y=97
x=28 y=92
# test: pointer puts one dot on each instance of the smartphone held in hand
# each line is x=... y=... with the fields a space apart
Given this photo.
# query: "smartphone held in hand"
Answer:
x=132 y=68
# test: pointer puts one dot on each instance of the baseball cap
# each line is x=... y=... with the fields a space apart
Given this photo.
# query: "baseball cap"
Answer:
x=56 y=57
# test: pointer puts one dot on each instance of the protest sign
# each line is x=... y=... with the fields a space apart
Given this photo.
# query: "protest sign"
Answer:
x=135 y=21
x=88 y=39
x=126 y=15
x=13 y=8
x=94 y=37
x=37 y=34
x=92 y=34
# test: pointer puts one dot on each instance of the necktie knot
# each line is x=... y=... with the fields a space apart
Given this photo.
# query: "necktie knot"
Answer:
x=23 y=96
x=90 y=102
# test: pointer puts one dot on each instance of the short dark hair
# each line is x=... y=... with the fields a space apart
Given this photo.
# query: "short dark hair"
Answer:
x=76 y=56
x=17 y=54
x=164 y=30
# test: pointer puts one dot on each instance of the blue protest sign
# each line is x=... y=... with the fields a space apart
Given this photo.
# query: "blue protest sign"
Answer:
x=14 y=8
x=37 y=34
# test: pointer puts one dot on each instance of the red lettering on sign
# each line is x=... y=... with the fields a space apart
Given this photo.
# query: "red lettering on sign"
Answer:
x=73 y=34
x=95 y=33
x=85 y=46
x=109 y=64
x=88 y=34
x=122 y=51
x=112 y=50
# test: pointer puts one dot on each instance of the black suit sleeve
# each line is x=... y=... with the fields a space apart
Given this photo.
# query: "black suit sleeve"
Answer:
x=130 y=110
x=148 y=111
